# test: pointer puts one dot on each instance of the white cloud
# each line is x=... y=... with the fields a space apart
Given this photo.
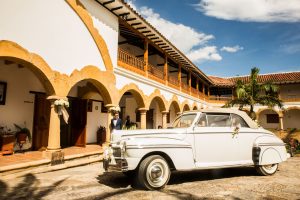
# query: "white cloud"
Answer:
x=252 y=10
x=232 y=49
x=185 y=38
x=205 y=53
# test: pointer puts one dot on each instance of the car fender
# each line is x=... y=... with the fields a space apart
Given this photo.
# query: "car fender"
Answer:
x=271 y=150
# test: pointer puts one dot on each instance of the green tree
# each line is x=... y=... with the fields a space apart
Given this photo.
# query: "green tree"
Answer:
x=253 y=93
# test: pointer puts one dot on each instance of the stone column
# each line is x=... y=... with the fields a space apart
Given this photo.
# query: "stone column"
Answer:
x=281 y=121
x=54 y=127
x=109 y=118
x=164 y=118
x=143 y=112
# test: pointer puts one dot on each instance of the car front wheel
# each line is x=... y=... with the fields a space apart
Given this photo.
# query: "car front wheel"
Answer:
x=153 y=173
x=267 y=170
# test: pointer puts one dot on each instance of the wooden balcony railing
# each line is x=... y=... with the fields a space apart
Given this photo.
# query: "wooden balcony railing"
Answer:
x=131 y=59
x=194 y=92
x=185 y=88
x=155 y=71
x=294 y=98
x=173 y=80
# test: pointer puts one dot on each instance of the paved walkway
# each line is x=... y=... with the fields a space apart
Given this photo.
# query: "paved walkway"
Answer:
x=33 y=156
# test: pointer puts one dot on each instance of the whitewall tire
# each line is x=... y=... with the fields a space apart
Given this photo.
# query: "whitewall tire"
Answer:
x=267 y=170
x=153 y=173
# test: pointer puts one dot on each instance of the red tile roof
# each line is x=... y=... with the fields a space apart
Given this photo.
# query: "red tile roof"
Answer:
x=277 y=78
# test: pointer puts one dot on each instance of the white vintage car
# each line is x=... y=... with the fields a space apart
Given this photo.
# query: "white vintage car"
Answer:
x=205 y=139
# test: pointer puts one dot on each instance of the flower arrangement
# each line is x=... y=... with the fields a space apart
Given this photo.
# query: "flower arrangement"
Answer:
x=115 y=109
x=61 y=102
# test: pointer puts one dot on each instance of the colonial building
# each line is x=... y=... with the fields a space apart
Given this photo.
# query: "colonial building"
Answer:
x=101 y=54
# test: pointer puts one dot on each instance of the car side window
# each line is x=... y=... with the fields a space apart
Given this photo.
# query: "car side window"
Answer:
x=184 y=121
x=218 y=120
x=238 y=121
x=202 y=120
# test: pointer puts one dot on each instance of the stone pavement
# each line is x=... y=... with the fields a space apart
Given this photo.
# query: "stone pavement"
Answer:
x=90 y=182
x=29 y=160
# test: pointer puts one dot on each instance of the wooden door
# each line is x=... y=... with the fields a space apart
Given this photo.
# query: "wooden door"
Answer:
x=150 y=119
x=78 y=122
x=41 y=122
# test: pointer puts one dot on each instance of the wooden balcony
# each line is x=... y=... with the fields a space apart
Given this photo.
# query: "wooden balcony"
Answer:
x=156 y=72
x=185 y=88
x=173 y=82
x=294 y=98
x=130 y=62
x=217 y=99
x=194 y=92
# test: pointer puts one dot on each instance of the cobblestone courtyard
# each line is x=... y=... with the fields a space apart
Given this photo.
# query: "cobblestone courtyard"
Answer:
x=89 y=182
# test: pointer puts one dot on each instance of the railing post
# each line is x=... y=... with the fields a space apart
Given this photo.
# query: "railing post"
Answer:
x=179 y=76
x=197 y=87
x=146 y=56
x=166 y=70
x=190 y=81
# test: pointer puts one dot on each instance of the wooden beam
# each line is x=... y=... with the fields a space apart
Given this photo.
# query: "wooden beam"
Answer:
x=135 y=24
x=164 y=46
x=124 y=14
x=108 y=2
x=153 y=38
x=142 y=27
x=131 y=19
x=116 y=8
x=149 y=35
x=145 y=31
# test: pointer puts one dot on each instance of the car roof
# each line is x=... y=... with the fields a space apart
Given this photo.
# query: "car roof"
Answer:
x=250 y=122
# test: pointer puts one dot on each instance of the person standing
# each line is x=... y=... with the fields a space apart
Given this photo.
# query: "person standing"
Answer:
x=116 y=122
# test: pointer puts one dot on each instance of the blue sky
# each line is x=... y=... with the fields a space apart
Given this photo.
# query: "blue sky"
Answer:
x=224 y=38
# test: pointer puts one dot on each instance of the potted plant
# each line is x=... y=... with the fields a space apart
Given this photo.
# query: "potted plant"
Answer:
x=21 y=135
x=101 y=135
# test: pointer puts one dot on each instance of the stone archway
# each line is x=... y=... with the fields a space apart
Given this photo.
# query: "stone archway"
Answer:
x=132 y=104
x=291 y=118
x=174 y=110
x=269 y=119
x=88 y=98
x=30 y=81
x=186 y=107
x=157 y=110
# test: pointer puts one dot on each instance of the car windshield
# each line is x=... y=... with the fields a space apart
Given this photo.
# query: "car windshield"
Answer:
x=184 y=121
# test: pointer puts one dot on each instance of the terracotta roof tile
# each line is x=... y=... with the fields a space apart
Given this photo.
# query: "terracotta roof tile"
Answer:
x=278 y=78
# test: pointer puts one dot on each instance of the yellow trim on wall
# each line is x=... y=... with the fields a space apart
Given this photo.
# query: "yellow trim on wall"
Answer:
x=88 y=21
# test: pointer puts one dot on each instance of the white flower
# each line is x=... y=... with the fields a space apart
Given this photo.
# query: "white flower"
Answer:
x=115 y=109
x=61 y=102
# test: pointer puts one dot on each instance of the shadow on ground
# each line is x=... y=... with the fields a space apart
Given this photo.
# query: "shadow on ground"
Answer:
x=119 y=180
x=27 y=189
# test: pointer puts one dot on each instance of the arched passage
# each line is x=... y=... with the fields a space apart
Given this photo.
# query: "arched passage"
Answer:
x=291 y=118
x=174 y=109
x=25 y=83
x=186 y=107
x=154 y=114
x=87 y=111
x=131 y=101
x=268 y=119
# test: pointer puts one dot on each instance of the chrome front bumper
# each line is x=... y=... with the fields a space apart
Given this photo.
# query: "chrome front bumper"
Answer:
x=113 y=159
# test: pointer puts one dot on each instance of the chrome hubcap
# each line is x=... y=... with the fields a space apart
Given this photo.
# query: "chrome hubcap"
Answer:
x=157 y=173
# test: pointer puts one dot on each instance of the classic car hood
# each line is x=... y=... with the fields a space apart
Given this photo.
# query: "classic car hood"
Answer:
x=178 y=133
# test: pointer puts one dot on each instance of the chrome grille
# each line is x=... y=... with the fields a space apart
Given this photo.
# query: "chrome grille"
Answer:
x=117 y=152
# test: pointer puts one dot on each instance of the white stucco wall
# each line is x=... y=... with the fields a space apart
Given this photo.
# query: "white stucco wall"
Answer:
x=19 y=106
x=107 y=25
x=52 y=30
x=291 y=119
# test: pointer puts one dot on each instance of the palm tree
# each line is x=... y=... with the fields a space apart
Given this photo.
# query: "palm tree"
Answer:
x=252 y=93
